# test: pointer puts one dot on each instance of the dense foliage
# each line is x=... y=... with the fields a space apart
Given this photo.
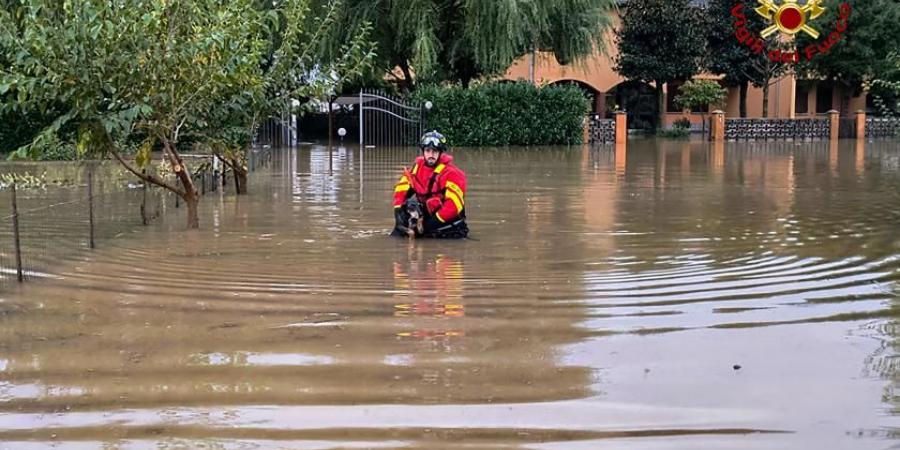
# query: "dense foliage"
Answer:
x=661 y=41
x=122 y=75
x=507 y=113
x=862 y=55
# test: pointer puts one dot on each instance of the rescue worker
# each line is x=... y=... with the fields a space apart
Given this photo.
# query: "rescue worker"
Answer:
x=432 y=194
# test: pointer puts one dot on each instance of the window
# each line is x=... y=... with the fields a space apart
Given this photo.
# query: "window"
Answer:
x=801 y=99
x=823 y=98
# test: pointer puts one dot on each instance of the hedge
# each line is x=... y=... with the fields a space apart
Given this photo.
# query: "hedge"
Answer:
x=503 y=113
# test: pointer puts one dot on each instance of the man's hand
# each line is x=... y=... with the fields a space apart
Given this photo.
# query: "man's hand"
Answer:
x=433 y=204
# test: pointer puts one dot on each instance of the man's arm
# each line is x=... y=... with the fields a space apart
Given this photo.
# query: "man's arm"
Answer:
x=401 y=189
x=454 y=197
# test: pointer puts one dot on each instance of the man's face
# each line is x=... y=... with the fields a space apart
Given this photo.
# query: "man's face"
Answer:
x=431 y=156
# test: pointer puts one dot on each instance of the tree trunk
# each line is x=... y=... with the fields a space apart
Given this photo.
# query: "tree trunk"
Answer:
x=743 y=100
x=660 y=106
x=192 y=200
x=240 y=179
x=765 y=111
x=407 y=76
x=190 y=195
x=187 y=192
x=845 y=100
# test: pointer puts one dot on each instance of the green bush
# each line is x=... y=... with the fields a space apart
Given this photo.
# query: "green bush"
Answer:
x=506 y=113
x=682 y=124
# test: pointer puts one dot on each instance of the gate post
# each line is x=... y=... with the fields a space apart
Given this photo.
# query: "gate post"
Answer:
x=717 y=127
x=621 y=127
x=834 y=121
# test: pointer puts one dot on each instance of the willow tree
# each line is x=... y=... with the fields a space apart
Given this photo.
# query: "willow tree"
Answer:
x=459 y=41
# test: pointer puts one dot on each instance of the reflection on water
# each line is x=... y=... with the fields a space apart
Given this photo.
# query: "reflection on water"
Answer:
x=675 y=294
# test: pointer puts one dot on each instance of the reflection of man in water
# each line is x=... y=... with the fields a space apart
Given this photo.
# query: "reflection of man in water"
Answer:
x=430 y=290
x=430 y=200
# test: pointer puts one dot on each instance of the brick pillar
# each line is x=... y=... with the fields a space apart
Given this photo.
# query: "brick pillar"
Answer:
x=621 y=127
x=861 y=125
x=834 y=120
x=717 y=126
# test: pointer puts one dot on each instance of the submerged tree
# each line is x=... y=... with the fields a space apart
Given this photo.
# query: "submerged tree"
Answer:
x=660 y=41
x=135 y=75
x=460 y=41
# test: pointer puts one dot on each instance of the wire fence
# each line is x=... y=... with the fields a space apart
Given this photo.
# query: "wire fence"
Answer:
x=86 y=205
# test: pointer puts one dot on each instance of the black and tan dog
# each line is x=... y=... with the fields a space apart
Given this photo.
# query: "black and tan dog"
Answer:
x=410 y=220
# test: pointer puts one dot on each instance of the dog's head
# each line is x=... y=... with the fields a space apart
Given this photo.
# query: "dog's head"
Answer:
x=414 y=210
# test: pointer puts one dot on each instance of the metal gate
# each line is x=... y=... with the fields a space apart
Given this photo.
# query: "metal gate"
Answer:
x=385 y=120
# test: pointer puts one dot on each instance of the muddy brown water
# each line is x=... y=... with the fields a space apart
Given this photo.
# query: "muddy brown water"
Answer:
x=679 y=296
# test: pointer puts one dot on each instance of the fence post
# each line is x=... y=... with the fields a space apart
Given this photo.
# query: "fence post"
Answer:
x=15 y=218
x=861 y=125
x=834 y=120
x=90 y=193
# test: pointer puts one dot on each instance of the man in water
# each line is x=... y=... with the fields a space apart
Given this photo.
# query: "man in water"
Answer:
x=430 y=200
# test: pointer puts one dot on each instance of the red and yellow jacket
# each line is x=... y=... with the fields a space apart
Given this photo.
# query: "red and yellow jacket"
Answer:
x=446 y=199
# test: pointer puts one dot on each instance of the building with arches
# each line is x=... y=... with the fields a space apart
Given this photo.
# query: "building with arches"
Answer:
x=788 y=97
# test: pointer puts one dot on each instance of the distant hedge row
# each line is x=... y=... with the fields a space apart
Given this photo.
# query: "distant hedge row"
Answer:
x=506 y=114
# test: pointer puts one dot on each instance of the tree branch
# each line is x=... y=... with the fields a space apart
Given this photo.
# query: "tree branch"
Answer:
x=149 y=178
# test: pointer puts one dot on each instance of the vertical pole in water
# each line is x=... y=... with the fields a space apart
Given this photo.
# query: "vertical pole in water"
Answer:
x=15 y=218
x=330 y=122
x=90 y=193
x=360 y=120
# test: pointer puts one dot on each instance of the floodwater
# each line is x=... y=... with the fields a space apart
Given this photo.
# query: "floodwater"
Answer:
x=679 y=296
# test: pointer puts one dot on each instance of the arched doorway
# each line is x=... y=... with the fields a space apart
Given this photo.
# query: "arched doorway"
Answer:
x=590 y=93
x=638 y=99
